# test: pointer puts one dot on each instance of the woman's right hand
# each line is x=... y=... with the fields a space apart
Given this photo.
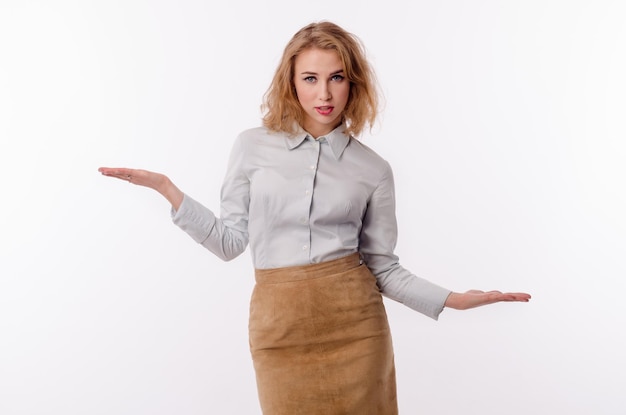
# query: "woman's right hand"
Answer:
x=156 y=181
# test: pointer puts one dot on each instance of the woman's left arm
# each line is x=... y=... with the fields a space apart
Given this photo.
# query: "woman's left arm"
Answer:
x=377 y=244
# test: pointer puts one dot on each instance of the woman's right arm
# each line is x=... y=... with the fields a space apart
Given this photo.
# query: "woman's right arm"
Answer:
x=226 y=236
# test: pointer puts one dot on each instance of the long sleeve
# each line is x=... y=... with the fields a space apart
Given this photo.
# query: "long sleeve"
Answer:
x=377 y=243
x=227 y=236
x=297 y=200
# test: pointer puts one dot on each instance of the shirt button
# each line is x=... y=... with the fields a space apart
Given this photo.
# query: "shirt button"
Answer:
x=305 y=247
x=312 y=167
x=308 y=192
x=302 y=220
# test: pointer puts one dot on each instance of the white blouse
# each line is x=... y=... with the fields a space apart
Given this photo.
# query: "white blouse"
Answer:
x=299 y=200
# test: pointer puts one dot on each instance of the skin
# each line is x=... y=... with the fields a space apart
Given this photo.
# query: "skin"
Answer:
x=323 y=92
x=322 y=89
x=152 y=180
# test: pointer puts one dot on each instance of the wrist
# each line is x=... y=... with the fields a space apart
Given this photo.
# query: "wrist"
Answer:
x=172 y=193
x=452 y=300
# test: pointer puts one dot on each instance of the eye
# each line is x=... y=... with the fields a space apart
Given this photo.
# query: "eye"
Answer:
x=310 y=79
x=337 y=78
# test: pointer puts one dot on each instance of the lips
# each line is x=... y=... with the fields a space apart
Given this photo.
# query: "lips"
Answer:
x=324 y=110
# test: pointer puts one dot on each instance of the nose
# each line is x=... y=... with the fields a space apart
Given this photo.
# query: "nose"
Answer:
x=324 y=94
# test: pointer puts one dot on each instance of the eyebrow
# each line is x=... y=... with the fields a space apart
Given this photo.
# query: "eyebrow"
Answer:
x=315 y=73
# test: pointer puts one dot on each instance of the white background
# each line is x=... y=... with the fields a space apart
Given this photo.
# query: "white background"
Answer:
x=504 y=123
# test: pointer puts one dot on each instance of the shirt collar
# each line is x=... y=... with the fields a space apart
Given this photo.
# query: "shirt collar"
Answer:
x=337 y=140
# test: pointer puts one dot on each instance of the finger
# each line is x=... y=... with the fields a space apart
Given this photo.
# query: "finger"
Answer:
x=523 y=297
x=118 y=176
x=115 y=171
x=118 y=173
x=126 y=177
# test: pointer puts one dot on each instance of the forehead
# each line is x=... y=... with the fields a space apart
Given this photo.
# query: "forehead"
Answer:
x=318 y=61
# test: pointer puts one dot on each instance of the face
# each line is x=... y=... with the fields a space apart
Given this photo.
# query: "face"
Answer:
x=322 y=89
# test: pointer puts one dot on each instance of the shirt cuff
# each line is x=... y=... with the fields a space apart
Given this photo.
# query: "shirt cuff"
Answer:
x=194 y=218
x=428 y=298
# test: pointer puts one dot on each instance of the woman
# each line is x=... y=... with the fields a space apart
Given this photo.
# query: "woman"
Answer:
x=318 y=210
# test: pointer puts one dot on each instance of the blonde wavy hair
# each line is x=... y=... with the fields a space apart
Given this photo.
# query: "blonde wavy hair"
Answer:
x=281 y=108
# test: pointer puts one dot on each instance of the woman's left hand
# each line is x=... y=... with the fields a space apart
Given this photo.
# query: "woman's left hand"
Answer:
x=476 y=298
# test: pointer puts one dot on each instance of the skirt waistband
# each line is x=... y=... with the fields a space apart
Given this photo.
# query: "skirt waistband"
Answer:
x=307 y=272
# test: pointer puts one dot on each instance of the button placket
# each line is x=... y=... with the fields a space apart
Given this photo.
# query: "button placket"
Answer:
x=308 y=190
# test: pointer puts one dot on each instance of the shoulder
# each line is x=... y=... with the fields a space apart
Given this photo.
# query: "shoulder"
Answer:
x=368 y=157
x=254 y=132
x=257 y=135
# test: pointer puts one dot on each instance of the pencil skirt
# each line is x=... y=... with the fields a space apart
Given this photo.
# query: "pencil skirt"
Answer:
x=320 y=341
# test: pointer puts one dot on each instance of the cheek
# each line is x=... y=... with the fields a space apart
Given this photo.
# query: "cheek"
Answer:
x=302 y=94
x=343 y=93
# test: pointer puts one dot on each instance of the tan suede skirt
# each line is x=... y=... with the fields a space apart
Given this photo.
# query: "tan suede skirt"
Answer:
x=320 y=341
